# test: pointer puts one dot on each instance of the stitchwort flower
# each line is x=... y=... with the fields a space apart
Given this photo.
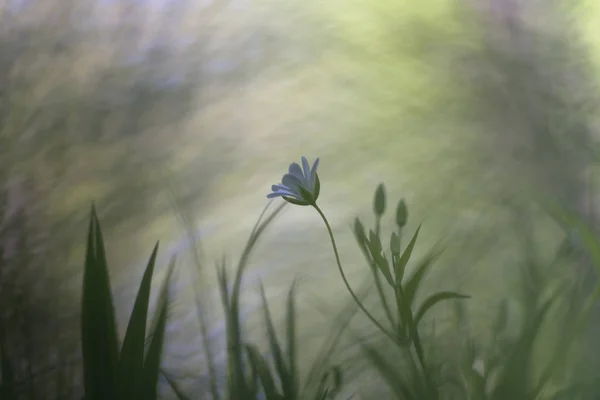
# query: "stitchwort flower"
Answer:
x=300 y=185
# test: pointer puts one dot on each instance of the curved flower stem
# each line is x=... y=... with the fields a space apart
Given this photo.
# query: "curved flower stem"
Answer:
x=339 y=264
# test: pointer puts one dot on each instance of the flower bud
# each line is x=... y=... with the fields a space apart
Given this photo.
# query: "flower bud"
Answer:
x=379 y=201
x=401 y=214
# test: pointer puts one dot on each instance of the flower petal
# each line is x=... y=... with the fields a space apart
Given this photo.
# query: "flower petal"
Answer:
x=282 y=190
x=293 y=183
x=296 y=170
x=306 y=168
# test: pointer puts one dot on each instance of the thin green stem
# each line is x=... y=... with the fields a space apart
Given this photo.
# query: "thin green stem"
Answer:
x=339 y=264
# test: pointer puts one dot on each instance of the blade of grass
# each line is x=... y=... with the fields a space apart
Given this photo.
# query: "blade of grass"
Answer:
x=400 y=266
x=98 y=326
x=400 y=388
x=261 y=367
x=359 y=233
x=281 y=366
x=151 y=368
x=514 y=381
x=291 y=339
x=236 y=370
x=131 y=360
x=433 y=299
x=163 y=296
x=413 y=283
x=326 y=389
x=202 y=323
x=179 y=393
x=236 y=382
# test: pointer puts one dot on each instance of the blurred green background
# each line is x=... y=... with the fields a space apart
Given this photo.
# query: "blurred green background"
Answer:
x=176 y=116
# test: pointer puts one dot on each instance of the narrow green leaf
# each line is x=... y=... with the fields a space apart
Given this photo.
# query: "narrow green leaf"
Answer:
x=163 y=296
x=400 y=267
x=384 y=266
x=151 y=369
x=433 y=300
x=413 y=283
x=223 y=283
x=98 y=327
x=236 y=382
x=280 y=363
x=291 y=339
x=330 y=384
x=131 y=360
x=374 y=243
x=515 y=379
x=262 y=368
x=179 y=393
x=379 y=259
x=389 y=373
x=359 y=232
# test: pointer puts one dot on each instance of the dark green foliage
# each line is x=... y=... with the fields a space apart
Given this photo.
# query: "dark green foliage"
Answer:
x=131 y=373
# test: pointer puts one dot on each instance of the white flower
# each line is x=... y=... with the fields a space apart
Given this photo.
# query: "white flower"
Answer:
x=300 y=185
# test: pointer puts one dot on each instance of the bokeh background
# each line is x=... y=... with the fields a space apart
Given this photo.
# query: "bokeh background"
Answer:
x=176 y=116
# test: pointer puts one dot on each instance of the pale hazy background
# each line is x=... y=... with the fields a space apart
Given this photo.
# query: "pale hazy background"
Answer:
x=175 y=117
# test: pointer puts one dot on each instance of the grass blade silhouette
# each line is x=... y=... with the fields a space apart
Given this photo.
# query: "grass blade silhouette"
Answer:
x=98 y=326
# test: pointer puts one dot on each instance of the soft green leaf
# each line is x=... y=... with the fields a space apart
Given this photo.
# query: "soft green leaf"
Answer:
x=163 y=296
x=384 y=266
x=151 y=368
x=175 y=387
x=153 y=356
x=379 y=259
x=412 y=284
x=261 y=367
x=280 y=363
x=359 y=229
x=433 y=300
x=400 y=266
x=131 y=359
x=374 y=243
x=515 y=378
x=237 y=383
x=330 y=384
x=389 y=373
x=98 y=327
x=291 y=340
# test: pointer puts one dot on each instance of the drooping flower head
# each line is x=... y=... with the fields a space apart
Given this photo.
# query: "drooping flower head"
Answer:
x=300 y=185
